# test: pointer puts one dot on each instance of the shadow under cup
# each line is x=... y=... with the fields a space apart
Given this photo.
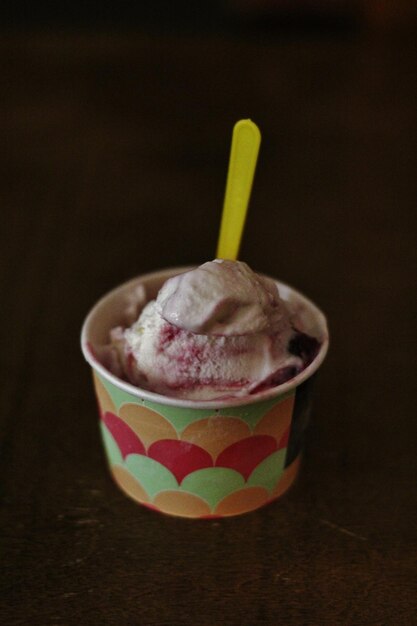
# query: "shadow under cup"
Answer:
x=200 y=459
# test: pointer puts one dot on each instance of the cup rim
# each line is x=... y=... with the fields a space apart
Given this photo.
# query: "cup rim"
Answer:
x=144 y=394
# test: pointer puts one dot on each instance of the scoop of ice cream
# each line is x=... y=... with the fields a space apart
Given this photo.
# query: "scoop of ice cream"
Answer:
x=217 y=331
x=221 y=298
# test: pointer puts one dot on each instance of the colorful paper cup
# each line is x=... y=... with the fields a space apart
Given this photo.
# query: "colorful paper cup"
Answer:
x=200 y=459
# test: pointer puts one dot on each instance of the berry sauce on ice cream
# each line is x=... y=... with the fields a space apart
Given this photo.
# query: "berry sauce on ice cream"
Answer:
x=216 y=332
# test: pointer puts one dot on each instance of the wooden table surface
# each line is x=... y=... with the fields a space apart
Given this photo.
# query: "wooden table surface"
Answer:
x=114 y=160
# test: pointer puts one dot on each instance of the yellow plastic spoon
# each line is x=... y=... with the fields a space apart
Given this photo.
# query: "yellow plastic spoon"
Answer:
x=246 y=140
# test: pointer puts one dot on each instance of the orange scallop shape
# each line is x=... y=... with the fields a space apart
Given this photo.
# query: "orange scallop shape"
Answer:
x=287 y=478
x=103 y=396
x=129 y=484
x=147 y=424
x=215 y=433
x=181 y=504
x=242 y=501
x=277 y=420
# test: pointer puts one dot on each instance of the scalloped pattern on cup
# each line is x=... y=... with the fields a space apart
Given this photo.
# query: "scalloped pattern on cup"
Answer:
x=205 y=465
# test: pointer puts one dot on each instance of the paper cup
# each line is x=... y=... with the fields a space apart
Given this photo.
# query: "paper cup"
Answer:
x=200 y=459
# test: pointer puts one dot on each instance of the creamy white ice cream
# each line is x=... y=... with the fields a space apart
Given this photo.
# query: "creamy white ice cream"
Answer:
x=217 y=331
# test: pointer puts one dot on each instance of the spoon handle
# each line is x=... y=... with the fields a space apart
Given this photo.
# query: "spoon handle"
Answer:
x=246 y=140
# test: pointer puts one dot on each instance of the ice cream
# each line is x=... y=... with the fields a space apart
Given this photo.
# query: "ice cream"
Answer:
x=215 y=332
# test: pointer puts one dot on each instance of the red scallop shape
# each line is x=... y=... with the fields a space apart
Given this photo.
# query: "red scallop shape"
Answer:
x=244 y=455
x=126 y=439
x=180 y=457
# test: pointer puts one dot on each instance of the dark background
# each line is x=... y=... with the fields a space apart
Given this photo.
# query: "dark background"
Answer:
x=115 y=129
